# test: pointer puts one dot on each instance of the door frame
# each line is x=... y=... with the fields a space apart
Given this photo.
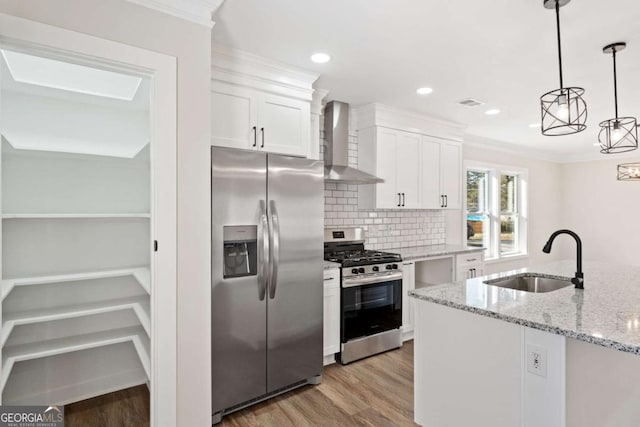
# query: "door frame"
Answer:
x=47 y=40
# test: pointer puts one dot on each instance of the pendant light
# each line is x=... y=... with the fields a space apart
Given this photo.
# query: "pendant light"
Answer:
x=619 y=134
x=563 y=110
x=629 y=172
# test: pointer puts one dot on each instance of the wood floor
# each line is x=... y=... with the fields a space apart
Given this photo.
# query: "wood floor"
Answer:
x=377 y=391
x=124 y=408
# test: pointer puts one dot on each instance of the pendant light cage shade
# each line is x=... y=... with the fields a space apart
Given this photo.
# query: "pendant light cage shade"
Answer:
x=618 y=135
x=629 y=172
x=564 y=112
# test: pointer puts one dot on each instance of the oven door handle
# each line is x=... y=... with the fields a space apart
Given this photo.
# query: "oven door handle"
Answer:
x=349 y=282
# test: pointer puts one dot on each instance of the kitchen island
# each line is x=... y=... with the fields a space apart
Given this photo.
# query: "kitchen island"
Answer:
x=568 y=357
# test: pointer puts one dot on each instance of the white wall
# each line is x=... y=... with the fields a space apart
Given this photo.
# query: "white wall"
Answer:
x=602 y=210
x=545 y=197
x=190 y=43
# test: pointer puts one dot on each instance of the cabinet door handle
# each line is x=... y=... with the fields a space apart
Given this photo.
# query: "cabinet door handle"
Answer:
x=441 y=201
x=262 y=130
x=402 y=199
x=446 y=201
x=399 y=202
x=255 y=136
x=474 y=272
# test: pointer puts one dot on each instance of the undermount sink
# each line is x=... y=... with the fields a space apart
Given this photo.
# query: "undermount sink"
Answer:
x=530 y=282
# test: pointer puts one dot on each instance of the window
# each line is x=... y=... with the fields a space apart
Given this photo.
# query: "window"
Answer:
x=496 y=209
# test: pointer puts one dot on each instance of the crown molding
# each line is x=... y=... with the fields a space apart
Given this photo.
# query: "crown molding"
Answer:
x=475 y=141
x=246 y=69
x=383 y=115
x=198 y=11
x=509 y=148
x=316 y=101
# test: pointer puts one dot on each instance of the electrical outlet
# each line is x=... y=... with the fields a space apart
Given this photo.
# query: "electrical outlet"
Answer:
x=537 y=360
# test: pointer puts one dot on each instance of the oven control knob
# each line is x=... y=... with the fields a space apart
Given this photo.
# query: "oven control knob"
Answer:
x=354 y=271
x=388 y=266
x=394 y=266
x=376 y=268
x=361 y=270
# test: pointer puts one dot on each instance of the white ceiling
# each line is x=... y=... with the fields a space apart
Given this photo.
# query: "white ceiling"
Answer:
x=502 y=52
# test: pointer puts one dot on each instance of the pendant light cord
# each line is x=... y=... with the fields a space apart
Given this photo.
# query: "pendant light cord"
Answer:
x=615 y=81
x=559 y=47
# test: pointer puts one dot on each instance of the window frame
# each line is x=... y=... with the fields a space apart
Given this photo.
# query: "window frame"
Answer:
x=495 y=171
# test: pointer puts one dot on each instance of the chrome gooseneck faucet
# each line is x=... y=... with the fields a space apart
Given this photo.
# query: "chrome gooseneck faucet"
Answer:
x=578 y=280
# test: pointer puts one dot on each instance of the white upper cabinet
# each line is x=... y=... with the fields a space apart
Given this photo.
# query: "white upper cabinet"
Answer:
x=284 y=125
x=408 y=170
x=419 y=159
x=248 y=119
x=451 y=174
x=431 y=191
x=441 y=174
x=234 y=116
x=252 y=109
x=394 y=156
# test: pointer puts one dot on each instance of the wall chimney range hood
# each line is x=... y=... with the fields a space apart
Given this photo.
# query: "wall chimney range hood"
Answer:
x=336 y=135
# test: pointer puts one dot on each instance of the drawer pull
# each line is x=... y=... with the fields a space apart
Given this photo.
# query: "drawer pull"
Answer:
x=328 y=278
x=471 y=259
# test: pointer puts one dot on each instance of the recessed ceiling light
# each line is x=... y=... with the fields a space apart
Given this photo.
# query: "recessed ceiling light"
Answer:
x=492 y=112
x=320 y=58
x=47 y=72
x=534 y=125
x=424 y=91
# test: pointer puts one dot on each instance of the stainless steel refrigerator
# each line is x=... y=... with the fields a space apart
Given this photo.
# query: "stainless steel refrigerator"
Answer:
x=267 y=283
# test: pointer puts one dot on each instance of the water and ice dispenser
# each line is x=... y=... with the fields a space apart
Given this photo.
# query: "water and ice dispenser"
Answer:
x=240 y=250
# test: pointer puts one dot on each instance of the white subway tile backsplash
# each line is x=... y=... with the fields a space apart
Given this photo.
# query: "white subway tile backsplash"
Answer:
x=385 y=229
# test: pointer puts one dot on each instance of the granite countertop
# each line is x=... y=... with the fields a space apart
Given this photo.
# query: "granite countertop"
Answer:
x=328 y=265
x=606 y=312
x=421 y=252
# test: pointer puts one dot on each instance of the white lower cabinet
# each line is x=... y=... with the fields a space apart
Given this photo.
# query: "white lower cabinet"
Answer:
x=469 y=265
x=408 y=284
x=331 y=334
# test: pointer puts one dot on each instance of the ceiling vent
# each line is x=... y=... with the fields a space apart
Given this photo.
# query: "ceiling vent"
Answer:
x=470 y=102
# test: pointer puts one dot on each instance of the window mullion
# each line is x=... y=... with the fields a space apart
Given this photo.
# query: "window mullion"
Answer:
x=495 y=212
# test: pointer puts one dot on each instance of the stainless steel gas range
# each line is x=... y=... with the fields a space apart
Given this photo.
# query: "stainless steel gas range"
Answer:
x=370 y=295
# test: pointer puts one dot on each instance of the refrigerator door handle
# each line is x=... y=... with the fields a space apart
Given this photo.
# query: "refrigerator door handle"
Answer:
x=264 y=255
x=274 y=246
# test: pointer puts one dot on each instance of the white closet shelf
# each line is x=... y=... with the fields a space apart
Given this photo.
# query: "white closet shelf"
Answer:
x=19 y=353
x=141 y=274
x=74 y=215
x=92 y=385
x=139 y=305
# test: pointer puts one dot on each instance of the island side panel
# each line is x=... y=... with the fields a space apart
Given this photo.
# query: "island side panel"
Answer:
x=603 y=386
x=463 y=360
